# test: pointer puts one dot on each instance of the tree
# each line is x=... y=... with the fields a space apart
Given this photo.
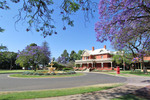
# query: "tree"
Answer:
x=125 y=23
x=73 y=56
x=118 y=59
x=3 y=48
x=1 y=30
x=45 y=59
x=61 y=60
x=11 y=57
x=38 y=13
x=70 y=64
x=79 y=55
x=53 y=59
x=7 y=59
x=65 y=55
x=2 y=53
x=31 y=56
x=33 y=44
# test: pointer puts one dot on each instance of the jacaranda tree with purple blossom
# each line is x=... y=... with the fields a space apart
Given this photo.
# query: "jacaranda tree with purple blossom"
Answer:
x=31 y=56
x=61 y=60
x=126 y=24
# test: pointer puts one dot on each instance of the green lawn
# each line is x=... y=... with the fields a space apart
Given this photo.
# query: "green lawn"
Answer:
x=129 y=97
x=54 y=93
x=135 y=73
x=11 y=71
x=127 y=73
x=45 y=76
x=114 y=73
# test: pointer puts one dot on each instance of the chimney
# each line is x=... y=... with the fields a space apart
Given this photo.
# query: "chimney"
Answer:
x=92 y=48
x=104 y=46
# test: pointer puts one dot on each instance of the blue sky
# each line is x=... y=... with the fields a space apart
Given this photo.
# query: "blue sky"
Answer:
x=76 y=38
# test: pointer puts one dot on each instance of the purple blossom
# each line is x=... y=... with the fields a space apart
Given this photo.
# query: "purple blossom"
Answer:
x=32 y=54
x=122 y=24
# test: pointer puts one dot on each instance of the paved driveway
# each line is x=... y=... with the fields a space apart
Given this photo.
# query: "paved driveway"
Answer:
x=22 y=84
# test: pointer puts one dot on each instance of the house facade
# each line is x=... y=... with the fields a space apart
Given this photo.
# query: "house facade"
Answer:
x=100 y=59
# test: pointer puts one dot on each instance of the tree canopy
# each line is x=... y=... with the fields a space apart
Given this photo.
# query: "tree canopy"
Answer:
x=73 y=56
x=38 y=13
x=32 y=56
x=126 y=24
x=2 y=53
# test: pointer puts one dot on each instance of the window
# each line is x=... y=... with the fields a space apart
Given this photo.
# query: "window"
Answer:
x=86 y=58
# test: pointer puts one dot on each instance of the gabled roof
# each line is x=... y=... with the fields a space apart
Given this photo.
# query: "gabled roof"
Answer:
x=96 y=52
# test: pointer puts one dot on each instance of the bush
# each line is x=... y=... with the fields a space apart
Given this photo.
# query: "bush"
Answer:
x=43 y=71
x=78 y=70
x=67 y=69
x=40 y=73
x=31 y=73
x=35 y=73
x=71 y=72
x=59 y=74
x=64 y=73
x=26 y=73
x=53 y=73
x=47 y=74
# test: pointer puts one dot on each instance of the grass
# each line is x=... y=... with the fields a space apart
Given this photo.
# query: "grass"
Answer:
x=127 y=73
x=129 y=97
x=10 y=71
x=45 y=76
x=18 y=71
x=136 y=73
x=54 y=93
x=114 y=73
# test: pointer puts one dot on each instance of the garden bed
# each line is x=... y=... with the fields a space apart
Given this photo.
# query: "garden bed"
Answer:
x=46 y=75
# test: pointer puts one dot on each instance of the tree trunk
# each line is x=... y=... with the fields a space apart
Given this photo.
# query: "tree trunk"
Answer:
x=143 y=66
x=34 y=68
x=26 y=68
x=11 y=64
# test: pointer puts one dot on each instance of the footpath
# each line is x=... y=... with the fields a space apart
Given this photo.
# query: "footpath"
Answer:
x=136 y=85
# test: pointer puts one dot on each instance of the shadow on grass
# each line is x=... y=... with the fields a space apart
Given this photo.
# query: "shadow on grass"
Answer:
x=124 y=94
x=146 y=81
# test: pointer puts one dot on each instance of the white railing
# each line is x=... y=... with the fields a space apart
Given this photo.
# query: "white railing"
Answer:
x=94 y=60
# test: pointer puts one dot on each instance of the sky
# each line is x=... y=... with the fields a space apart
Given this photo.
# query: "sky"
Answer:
x=80 y=37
